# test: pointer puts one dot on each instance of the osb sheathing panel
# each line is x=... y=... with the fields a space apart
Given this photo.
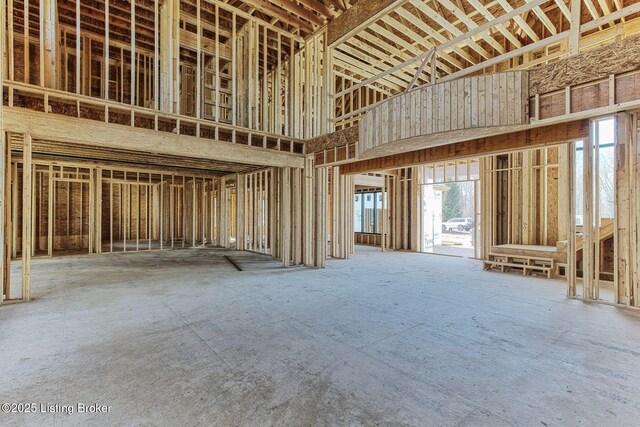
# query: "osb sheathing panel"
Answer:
x=333 y=140
x=616 y=58
x=352 y=17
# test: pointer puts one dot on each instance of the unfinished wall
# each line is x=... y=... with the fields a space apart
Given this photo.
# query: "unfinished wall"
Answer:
x=592 y=65
x=522 y=198
x=340 y=214
x=404 y=207
x=399 y=214
x=203 y=60
x=85 y=209
x=627 y=225
x=274 y=214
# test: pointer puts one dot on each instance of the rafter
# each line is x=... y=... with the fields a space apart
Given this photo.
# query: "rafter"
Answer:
x=446 y=24
x=436 y=36
x=281 y=14
x=460 y=14
x=521 y=22
x=500 y=27
x=544 y=19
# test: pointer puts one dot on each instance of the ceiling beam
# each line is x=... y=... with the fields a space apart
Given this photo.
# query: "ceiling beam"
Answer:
x=470 y=24
x=94 y=133
x=521 y=22
x=296 y=9
x=456 y=40
x=451 y=28
x=525 y=139
x=500 y=27
x=282 y=15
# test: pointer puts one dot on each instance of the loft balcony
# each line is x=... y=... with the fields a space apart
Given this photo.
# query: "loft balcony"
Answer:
x=21 y=96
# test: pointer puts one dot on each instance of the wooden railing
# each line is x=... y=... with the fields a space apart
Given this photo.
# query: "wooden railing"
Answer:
x=51 y=101
x=445 y=112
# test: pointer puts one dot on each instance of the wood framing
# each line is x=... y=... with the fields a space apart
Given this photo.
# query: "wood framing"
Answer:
x=616 y=58
x=357 y=18
x=88 y=132
x=536 y=137
x=441 y=113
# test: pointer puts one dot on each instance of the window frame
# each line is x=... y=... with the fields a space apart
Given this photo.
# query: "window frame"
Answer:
x=361 y=202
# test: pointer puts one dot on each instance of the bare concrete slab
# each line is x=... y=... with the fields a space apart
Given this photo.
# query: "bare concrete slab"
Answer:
x=183 y=338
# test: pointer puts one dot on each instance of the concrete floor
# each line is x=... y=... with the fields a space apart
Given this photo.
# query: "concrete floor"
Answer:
x=182 y=338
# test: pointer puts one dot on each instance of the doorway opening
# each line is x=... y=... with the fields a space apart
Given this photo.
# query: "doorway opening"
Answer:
x=595 y=212
x=450 y=222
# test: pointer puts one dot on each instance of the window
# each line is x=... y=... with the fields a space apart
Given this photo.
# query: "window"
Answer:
x=357 y=213
x=367 y=208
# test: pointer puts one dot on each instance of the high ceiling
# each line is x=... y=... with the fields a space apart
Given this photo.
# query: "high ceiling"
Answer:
x=299 y=17
x=470 y=36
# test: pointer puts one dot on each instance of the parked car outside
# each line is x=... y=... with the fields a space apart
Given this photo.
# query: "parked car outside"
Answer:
x=459 y=224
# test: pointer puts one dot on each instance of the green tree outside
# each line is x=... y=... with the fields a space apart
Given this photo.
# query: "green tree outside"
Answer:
x=451 y=202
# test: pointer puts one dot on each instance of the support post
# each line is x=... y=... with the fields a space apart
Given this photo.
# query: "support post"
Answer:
x=625 y=234
x=105 y=77
x=587 y=223
x=8 y=222
x=240 y=208
x=223 y=197
x=5 y=162
x=27 y=217
x=97 y=216
x=569 y=182
x=5 y=229
x=296 y=208
x=273 y=235
x=285 y=216
x=134 y=76
x=50 y=33
x=574 y=30
x=321 y=191
x=308 y=217
x=167 y=57
x=199 y=61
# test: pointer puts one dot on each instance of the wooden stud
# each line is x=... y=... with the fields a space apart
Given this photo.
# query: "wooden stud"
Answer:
x=27 y=216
